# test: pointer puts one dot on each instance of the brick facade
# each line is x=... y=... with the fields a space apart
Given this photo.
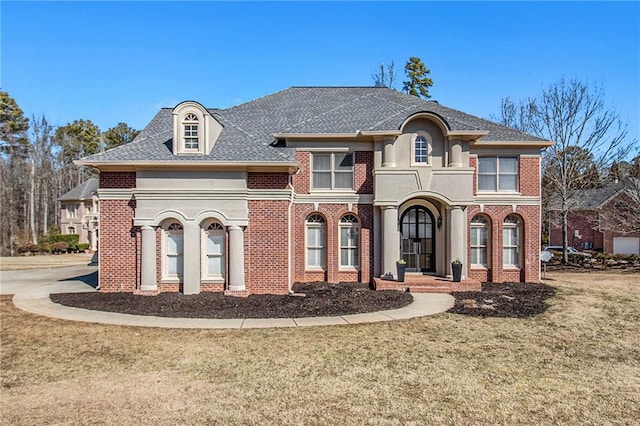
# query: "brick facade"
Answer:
x=529 y=270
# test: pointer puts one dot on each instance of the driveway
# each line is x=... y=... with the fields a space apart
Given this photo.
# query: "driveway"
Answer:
x=72 y=278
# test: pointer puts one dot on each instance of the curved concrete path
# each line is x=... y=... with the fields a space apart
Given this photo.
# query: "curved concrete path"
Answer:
x=33 y=296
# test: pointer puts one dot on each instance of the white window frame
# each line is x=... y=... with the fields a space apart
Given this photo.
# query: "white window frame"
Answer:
x=351 y=222
x=427 y=149
x=71 y=228
x=72 y=210
x=213 y=228
x=316 y=221
x=480 y=224
x=498 y=173
x=512 y=223
x=332 y=171
x=191 y=124
x=167 y=230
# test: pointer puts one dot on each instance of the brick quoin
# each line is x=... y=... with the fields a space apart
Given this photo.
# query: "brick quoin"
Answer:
x=332 y=214
x=530 y=268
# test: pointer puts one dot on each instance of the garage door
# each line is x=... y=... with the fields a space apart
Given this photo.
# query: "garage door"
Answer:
x=626 y=245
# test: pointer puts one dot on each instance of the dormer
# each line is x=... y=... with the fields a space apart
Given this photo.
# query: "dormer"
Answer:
x=195 y=131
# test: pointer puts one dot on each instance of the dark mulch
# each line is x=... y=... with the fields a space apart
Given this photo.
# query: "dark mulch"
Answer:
x=515 y=300
x=321 y=299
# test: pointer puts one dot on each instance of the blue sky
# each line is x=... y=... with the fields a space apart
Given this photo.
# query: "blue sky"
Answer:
x=122 y=61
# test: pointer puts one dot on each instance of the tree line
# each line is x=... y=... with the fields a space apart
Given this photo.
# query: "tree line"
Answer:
x=36 y=167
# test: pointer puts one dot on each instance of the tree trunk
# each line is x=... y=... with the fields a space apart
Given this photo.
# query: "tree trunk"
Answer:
x=45 y=212
x=565 y=237
x=32 y=203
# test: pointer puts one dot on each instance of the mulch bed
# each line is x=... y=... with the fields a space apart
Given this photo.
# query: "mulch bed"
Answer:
x=320 y=299
x=514 y=300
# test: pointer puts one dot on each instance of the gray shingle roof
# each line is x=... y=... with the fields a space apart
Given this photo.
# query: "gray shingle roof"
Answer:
x=249 y=128
x=81 y=192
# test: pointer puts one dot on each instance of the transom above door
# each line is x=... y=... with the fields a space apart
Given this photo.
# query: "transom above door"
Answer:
x=417 y=239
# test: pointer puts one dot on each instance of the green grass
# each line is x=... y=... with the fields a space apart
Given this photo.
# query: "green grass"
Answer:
x=578 y=363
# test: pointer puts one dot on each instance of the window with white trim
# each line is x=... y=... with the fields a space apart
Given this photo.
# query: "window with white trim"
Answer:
x=420 y=150
x=72 y=211
x=173 y=250
x=498 y=174
x=332 y=171
x=214 y=251
x=316 y=233
x=190 y=132
x=349 y=241
x=479 y=241
x=71 y=229
x=511 y=241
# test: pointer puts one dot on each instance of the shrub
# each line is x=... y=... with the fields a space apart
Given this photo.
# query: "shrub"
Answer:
x=83 y=246
x=60 y=247
x=70 y=239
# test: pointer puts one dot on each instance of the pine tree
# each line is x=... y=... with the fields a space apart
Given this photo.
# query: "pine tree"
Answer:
x=419 y=80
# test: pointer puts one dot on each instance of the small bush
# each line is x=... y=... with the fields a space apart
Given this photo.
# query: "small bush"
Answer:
x=83 y=246
x=60 y=247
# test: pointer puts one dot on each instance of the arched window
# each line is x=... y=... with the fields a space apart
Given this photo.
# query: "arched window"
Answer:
x=479 y=241
x=191 y=134
x=420 y=149
x=71 y=229
x=316 y=230
x=213 y=251
x=511 y=241
x=349 y=241
x=173 y=250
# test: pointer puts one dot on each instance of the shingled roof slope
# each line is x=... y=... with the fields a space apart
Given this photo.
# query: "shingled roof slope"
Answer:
x=592 y=199
x=248 y=128
x=81 y=192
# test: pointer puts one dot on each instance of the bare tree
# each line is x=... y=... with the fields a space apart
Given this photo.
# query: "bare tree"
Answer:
x=386 y=76
x=574 y=115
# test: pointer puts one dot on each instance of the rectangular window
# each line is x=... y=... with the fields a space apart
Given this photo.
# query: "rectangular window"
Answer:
x=510 y=246
x=315 y=246
x=498 y=174
x=174 y=254
x=332 y=171
x=72 y=211
x=478 y=245
x=215 y=254
x=349 y=246
x=191 y=136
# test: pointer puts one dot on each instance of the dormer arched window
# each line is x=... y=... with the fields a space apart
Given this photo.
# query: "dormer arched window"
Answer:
x=191 y=132
x=195 y=130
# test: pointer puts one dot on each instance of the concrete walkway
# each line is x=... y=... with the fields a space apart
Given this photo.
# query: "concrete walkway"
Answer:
x=34 y=298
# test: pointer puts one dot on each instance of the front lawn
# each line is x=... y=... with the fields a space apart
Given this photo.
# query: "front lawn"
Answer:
x=576 y=363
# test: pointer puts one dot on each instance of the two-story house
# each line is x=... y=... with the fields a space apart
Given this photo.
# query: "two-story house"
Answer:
x=316 y=184
x=79 y=213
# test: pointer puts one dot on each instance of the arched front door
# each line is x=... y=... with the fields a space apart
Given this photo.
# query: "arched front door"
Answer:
x=417 y=239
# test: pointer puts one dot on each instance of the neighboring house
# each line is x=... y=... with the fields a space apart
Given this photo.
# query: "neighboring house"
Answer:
x=316 y=184
x=589 y=221
x=79 y=212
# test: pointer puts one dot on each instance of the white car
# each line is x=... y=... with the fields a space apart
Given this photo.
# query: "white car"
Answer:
x=570 y=250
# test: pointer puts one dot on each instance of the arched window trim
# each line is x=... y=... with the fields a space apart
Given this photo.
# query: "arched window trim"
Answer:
x=421 y=153
x=213 y=252
x=172 y=251
x=512 y=241
x=349 y=242
x=315 y=242
x=480 y=241
x=191 y=132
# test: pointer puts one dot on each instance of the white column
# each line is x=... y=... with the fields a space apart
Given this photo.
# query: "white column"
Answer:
x=390 y=239
x=455 y=156
x=236 y=258
x=94 y=240
x=457 y=236
x=389 y=157
x=148 y=278
x=191 y=258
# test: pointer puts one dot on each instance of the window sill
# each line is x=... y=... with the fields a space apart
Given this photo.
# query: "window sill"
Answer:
x=212 y=280
x=486 y=192
x=331 y=191
x=315 y=269
x=349 y=269
x=510 y=268
x=171 y=280
x=479 y=268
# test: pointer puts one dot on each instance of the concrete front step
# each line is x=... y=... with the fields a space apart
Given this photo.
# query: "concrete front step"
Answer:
x=428 y=284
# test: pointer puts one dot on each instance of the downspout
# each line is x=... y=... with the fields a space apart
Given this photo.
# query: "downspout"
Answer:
x=289 y=274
